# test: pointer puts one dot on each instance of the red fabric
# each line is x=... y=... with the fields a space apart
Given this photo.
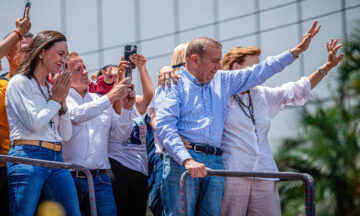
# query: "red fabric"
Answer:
x=50 y=79
x=100 y=87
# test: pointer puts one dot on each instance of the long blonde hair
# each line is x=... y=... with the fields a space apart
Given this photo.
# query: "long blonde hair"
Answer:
x=179 y=54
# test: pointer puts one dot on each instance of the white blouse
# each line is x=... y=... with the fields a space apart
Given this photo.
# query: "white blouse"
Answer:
x=243 y=150
x=93 y=119
x=30 y=117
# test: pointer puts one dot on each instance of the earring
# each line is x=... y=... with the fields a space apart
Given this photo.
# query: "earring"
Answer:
x=40 y=57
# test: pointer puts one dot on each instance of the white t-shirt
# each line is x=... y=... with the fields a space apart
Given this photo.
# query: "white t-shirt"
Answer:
x=131 y=152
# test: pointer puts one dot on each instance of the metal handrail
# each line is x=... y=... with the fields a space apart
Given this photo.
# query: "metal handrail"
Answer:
x=59 y=165
x=283 y=176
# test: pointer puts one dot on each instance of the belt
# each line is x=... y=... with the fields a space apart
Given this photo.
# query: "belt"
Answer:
x=81 y=174
x=49 y=145
x=207 y=149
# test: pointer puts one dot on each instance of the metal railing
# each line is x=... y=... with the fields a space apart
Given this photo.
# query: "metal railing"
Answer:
x=283 y=176
x=59 y=165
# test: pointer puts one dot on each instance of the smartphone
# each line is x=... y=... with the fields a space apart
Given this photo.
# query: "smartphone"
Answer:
x=27 y=5
x=129 y=51
x=128 y=71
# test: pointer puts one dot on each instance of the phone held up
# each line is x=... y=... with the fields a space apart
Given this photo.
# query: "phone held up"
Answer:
x=27 y=5
x=129 y=51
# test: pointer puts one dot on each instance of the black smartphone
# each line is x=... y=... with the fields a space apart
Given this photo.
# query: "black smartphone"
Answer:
x=27 y=5
x=129 y=51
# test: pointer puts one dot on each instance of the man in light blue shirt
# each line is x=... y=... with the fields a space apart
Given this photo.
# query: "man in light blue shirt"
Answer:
x=195 y=109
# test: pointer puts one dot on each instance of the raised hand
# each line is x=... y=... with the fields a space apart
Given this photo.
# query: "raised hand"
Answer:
x=306 y=39
x=139 y=60
x=24 y=25
x=121 y=70
x=332 y=60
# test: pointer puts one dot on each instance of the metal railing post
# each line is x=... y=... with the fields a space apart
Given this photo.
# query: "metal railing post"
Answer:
x=283 y=176
x=59 y=165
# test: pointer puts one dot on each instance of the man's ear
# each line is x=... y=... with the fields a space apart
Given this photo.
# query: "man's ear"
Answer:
x=195 y=58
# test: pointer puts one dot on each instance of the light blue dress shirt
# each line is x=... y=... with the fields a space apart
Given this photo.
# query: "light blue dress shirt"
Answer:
x=197 y=112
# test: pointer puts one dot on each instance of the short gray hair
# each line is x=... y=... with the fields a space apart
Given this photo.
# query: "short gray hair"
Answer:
x=200 y=44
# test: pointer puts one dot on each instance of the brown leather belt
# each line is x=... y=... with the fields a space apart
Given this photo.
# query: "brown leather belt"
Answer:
x=48 y=145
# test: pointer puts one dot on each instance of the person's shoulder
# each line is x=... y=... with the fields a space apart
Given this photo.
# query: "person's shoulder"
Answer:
x=20 y=79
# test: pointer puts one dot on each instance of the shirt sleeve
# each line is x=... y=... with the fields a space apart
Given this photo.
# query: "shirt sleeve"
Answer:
x=65 y=127
x=167 y=104
x=291 y=93
x=19 y=94
x=87 y=111
x=122 y=125
x=249 y=77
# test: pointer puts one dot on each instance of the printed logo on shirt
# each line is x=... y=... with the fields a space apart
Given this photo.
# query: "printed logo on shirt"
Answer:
x=138 y=134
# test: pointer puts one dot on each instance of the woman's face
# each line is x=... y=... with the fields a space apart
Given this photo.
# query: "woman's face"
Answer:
x=249 y=60
x=54 y=58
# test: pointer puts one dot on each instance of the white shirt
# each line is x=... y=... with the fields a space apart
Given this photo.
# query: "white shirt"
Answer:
x=93 y=118
x=30 y=117
x=159 y=149
x=243 y=150
x=131 y=153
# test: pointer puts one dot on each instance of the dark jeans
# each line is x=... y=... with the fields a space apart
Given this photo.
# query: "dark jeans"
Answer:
x=155 y=172
x=105 y=203
x=130 y=190
x=4 y=192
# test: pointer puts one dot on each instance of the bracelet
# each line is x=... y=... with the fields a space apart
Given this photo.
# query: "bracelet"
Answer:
x=321 y=71
x=19 y=34
x=63 y=110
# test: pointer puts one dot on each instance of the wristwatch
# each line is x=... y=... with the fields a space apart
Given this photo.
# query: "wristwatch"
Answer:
x=63 y=110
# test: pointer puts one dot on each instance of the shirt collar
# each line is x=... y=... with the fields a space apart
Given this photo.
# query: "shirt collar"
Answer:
x=190 y=76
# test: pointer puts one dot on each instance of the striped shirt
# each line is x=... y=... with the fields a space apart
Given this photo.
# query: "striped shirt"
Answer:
x=197 y=112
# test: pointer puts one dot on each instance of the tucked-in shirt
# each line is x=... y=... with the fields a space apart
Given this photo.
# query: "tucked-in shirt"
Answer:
x=197 y=112
x=131 y=153
x=93 y=118
x=4 y=126
x=243 y=150
x=30 y=116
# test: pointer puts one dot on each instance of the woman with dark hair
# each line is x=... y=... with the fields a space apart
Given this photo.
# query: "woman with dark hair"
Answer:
x=39 y=122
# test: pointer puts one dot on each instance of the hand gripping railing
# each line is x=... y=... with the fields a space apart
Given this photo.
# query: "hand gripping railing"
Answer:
x=59 y=165
x=283 y=176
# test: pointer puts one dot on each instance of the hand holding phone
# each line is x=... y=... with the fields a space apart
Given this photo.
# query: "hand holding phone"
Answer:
x=129 y=51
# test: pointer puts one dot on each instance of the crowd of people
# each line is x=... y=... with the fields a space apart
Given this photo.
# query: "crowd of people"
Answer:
x=207 y=112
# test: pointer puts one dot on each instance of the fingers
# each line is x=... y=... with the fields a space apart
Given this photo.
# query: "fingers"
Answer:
x=316 y=30
x=126 y=80
x=27 y=13
x=337 y=48
x=167 y=79
x=312 y=27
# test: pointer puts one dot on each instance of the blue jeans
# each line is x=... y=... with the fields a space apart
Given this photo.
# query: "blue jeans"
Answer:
x=26 y=182
x=204 y=195
x=105 y=202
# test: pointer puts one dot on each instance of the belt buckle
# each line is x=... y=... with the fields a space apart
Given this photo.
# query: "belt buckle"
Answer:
x=195 y=150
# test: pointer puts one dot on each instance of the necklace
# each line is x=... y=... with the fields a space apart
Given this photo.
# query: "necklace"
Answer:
x=250 y=108
x=48 y=89
x=52 y=123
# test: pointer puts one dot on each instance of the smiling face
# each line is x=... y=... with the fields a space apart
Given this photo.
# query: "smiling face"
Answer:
x=54 y=57
x=208 y=64
x=79 y=74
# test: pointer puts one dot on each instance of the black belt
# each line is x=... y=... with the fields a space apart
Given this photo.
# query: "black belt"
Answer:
x=207 y=149
x=81 y=174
